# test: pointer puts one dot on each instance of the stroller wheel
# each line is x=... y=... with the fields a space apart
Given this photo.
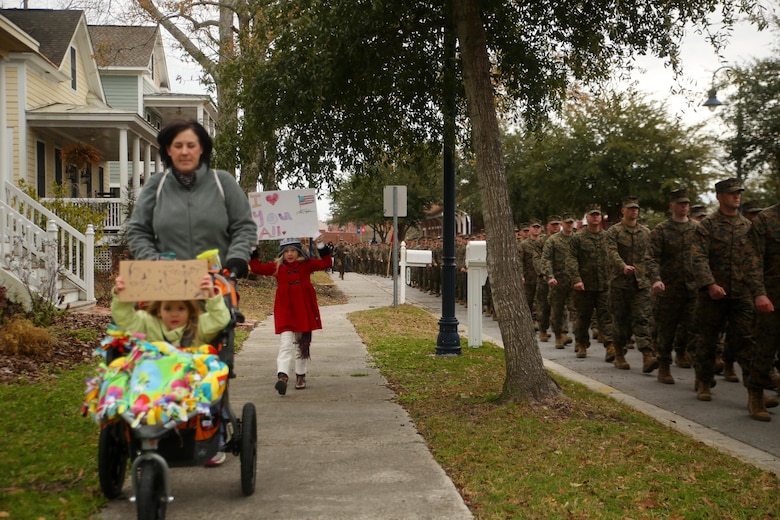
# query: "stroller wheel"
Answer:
x=113 y=452
x=151 y=500
x=248 y=449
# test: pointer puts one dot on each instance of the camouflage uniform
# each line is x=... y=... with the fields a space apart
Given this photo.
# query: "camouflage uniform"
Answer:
x=629 y=294
x=461 y=280
x=437 y=253
x=720 y=254
x=765 y=241
x=588 y=264
x=553 y=265
x=671 y=244
x=341 y=253
x=542 y=289
x=528 y=248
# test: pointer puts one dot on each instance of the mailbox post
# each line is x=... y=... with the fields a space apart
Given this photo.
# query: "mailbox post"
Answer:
x=411 y=258
x=476 y=262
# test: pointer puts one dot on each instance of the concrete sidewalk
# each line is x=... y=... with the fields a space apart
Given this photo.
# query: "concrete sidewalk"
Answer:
x=340 y=449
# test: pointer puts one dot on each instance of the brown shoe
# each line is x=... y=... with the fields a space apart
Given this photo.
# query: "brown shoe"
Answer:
x=281 y=383
x=609 y=355
x=581 y=349
x=728 y=372
x=665 y=374
x=649 y=362
x=559 y=342
x=717 y=368
x=703 y=391
x=620 y=360
x=756 y=405
x=300 y=381
x=682 y=360
x=543 y=336
x=567 y=339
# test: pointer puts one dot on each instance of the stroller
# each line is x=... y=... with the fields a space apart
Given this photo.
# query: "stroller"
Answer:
x=179 y=435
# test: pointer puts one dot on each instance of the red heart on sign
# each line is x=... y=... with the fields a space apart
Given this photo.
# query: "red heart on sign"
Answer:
x=272 y=198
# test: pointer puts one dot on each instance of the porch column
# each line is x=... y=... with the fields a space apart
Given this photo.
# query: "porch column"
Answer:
x=136 y=163
x=123 y=165
x=147 y=161
x=199 y=110
x=5 y=153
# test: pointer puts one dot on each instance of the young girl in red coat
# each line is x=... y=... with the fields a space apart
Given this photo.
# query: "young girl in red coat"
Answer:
x=296 y=313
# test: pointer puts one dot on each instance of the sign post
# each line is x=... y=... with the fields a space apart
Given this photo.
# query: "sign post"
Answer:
x=395 y=206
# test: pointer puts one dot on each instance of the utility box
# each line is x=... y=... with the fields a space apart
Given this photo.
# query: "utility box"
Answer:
x=476 y=262
x=411 y=258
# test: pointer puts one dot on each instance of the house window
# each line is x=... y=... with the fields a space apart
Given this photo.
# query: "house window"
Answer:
x=58 y=166
x=40 y=167
x=73 y=68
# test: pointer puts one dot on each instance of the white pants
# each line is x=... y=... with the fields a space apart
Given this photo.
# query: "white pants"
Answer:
x=288 y=349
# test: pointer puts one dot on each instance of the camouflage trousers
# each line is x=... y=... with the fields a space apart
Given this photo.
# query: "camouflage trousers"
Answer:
x=586 y=302
x=559 y=298
x=530 y=295
x=711 y=315
x=673 y=330
x=767 y=344
x=630 y=309
x=542 y=304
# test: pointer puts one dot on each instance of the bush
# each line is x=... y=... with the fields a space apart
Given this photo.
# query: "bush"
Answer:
x=19 y=337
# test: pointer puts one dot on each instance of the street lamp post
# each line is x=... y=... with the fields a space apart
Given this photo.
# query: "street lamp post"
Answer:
x=712 y=103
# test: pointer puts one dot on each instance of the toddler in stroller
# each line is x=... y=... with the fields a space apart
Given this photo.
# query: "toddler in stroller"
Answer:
x=166 y=404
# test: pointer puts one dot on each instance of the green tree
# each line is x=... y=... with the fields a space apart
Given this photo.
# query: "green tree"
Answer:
x=346 y=81
x=360 y=197
x=602 y=150
x=753 y=113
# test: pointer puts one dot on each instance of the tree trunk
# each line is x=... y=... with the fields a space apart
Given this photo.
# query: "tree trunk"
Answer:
x=526 y=377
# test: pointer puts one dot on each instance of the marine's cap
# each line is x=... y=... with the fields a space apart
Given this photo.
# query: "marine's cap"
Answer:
x=630 y=202
x=731 y=185
x=554 y=219
x=752 y=206
x=698 y=210
x=535 y=222
x=593 y=208
x=569 y=217
x=525 y=226
x=680 y=195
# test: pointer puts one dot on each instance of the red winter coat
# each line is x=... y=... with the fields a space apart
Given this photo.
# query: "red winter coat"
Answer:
x=295 y=304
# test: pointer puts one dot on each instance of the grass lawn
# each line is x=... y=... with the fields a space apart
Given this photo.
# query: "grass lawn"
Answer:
x=583 y=456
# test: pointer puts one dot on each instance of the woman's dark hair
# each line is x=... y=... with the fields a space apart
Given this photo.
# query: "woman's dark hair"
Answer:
x=177 y=126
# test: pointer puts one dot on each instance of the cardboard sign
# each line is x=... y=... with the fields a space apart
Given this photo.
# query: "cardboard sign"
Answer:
x=285 y=214
x=155 y=280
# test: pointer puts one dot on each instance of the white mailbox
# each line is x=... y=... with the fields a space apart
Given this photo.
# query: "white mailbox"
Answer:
x=418 y=257
x=476 y=261
x=411 y=258
x=476 y=253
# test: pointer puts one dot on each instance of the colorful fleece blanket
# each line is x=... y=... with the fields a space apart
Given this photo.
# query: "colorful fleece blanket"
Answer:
x=156 y=382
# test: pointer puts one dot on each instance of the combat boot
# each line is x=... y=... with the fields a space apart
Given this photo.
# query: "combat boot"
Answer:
x=543 y=336
x=771 y=402
x=728 y=372
x=595 y=332
x=681 y=359
x=717 y=368
x=559 y=341
x=649 y=362
x=609 y=354
x=703 y=390
x=567 y=339
x=620 y=359
x=775 y=378
x=756 y=405
x=665 y=374
x=581 y=349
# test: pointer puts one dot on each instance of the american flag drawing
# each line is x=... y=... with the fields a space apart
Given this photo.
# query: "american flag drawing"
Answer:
x=305 y=199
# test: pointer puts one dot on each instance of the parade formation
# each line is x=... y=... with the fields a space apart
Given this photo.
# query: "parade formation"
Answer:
x=697 y=292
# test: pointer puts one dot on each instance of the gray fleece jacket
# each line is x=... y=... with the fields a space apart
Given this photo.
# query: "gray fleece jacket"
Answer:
x=189 y=221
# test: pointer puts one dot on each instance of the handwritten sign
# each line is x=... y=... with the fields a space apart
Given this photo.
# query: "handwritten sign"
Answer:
x=152 y=280
x=285 y=214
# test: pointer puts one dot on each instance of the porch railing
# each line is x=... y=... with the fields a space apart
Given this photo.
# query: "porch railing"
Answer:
x=26 y=222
